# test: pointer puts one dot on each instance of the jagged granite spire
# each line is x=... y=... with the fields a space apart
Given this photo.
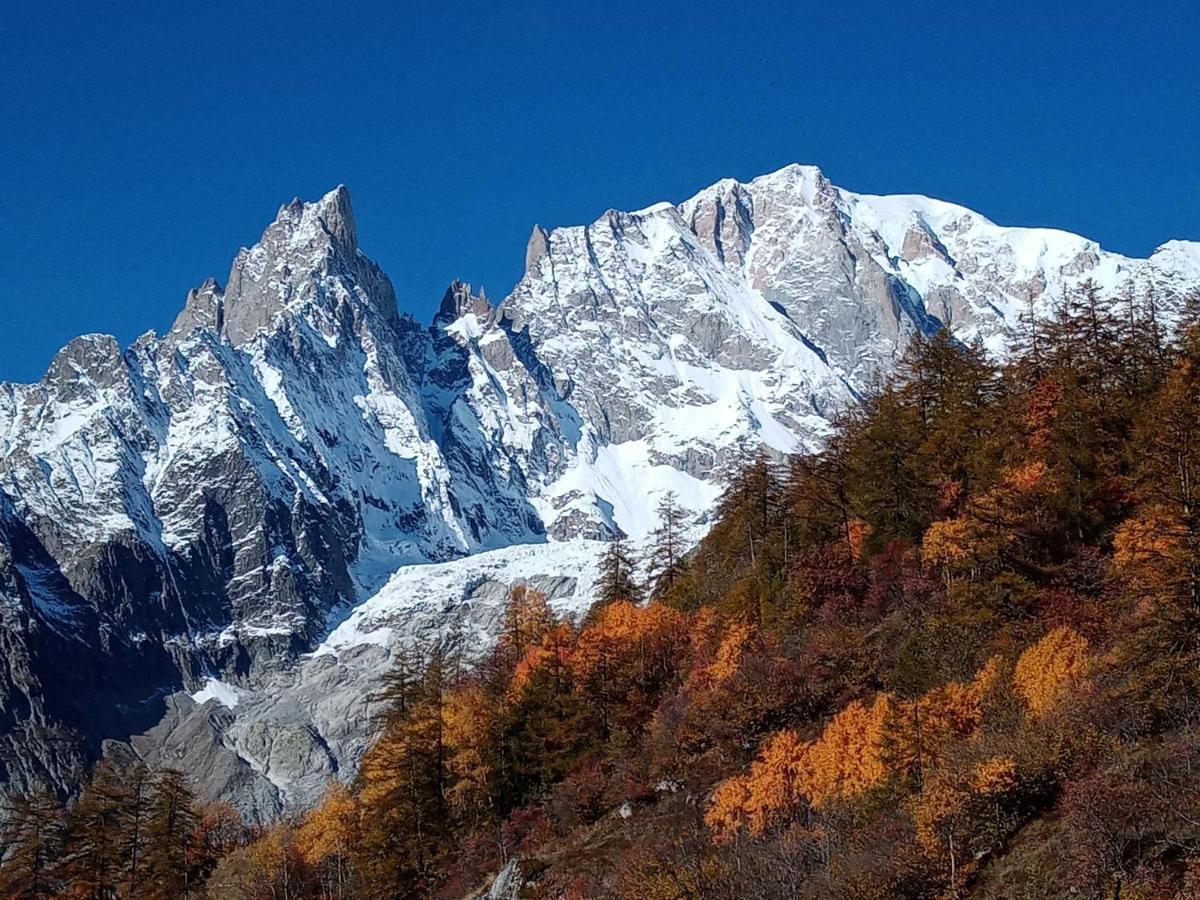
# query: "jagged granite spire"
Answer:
x=460 y=300
x=296 y=263
x=203 y=308
x=536 y=248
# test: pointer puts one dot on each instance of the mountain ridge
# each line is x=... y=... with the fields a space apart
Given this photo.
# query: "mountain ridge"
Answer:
x=211 y=506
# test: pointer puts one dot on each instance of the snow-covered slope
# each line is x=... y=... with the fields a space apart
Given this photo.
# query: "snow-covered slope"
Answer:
x=227 y=528
x=645 y=351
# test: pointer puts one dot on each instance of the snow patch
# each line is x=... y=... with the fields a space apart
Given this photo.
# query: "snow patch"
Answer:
x=215 y=689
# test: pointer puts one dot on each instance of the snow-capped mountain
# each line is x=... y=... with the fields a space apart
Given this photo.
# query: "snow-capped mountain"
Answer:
x=211 y=540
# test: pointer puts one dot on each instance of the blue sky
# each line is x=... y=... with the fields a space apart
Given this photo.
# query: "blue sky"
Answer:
x=142 y=144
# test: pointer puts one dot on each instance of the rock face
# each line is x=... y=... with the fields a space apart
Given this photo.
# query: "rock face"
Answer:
x=211 y=540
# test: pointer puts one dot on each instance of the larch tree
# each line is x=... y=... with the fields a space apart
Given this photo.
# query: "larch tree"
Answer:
x=97 y=828
x=32 y=832
x=407 y=830
x=1045 y=670
x=527 y=619
x=325 y=838
x=171 y=822
x=1168 y=475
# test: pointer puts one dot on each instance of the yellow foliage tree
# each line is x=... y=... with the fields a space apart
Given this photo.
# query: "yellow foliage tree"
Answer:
x=919 y=731
x=961 y=544
x=327 y=830
x=326 y=836
x=624 y=656
x=730 y=652
x=843 y=763
x=555 y=648
x=622 y=629
x=770 y=790
x=471 y=741
x=946 y=543
x=1149 y=549
x=990 y=523
x=1048 y=668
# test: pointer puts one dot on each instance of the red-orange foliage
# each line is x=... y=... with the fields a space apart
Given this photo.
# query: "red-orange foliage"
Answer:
x=921 y=730
x=555 y=647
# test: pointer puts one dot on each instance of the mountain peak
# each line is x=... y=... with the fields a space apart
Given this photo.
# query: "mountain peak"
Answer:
x=305 y=239
x=538 y=246
x=331 y=215
x=201 y=309
x=334 y=210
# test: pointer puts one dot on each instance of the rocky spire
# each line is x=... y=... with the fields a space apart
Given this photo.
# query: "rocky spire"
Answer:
x=337 y=218
x=538 y=246
x=202 y=309
x=291 y=264
x=459 y=300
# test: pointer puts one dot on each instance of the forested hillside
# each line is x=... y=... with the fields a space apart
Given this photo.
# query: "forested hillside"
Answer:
x=954 y=654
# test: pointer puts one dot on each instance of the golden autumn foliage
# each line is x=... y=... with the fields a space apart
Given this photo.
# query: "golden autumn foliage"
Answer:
x=994 y=776
x=1147 y=548
x=860 y=748
x=939 y=804
x=1041 y=409
x=622 y=629
x=275 y=855
x=963 y=544
x=1048 y=668
x=844 y=762
x=328 y=829
x=920 y=730
x=987 y=526
x=554 y=647
x=659 y=880
x=1027 y=477
x=730 y=653
x=857 y=531
x=956 y=801
x=960 y=544
x=471 y=745
x=757 y=800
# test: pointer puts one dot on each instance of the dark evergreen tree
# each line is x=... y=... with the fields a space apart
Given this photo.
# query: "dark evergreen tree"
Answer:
x=408 y=830
x=97 y=828
x=545 y=731
x=135 y=819
x=886 y=474
x=618 y=575
x=666 y=552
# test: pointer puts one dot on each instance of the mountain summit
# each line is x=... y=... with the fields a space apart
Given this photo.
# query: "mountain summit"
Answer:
x=211 y=541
